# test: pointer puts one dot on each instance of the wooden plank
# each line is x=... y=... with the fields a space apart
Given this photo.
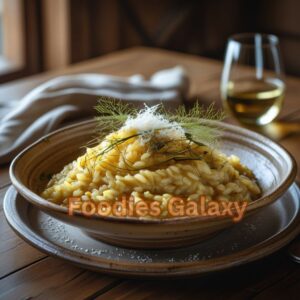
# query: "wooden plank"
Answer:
x=14 y=252
x=33 y=37
x=50 y=278
x=13 y=35
x=21 y=44
x=56 y=25
x=80 y=31
x=288 y=288
x=54 y=279
x=109 y=40
x=241 y=283
x=204 y=73
x=248 y=281
x=125 y=63
x=19 y=260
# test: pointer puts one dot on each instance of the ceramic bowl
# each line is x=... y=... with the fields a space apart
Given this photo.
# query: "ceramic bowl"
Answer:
x=273 y=166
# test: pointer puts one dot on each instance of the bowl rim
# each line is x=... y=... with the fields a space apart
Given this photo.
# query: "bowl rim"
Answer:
x=45 y=205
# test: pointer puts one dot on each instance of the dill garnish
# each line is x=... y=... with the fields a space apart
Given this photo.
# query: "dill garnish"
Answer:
x=174 y=136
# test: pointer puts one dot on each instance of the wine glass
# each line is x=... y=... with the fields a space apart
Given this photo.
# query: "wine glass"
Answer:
x=252 y=83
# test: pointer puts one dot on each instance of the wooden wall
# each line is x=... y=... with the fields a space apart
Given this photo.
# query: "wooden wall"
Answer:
x=282 y=17
x=62 y=32
x=95 y=27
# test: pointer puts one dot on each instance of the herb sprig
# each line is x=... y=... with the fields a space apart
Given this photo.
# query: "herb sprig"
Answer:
x=197 y=122
x=198 y=125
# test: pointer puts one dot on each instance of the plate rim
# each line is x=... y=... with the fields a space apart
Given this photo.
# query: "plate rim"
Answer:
x=155 y=270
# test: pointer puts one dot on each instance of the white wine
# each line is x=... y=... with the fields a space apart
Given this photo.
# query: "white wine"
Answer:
x=254 y=101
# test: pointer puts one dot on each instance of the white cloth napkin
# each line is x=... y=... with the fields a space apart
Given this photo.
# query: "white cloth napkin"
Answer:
x=46 y=107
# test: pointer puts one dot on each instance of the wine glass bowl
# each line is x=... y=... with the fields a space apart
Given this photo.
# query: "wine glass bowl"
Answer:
x=252 y=83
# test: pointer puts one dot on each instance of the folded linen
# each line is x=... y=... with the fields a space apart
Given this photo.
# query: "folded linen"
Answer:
x=51 y=104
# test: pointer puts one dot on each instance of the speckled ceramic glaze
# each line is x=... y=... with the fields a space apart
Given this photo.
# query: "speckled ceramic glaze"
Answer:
x=271 y=228
x=272 y=165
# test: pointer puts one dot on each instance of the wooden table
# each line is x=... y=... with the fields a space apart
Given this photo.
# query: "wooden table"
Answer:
x=27 y=273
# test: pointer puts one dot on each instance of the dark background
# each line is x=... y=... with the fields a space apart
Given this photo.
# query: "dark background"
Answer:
x=197 y=27
x=43 y=35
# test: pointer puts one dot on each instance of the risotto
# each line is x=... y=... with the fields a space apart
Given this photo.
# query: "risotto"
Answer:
x=151 y=158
